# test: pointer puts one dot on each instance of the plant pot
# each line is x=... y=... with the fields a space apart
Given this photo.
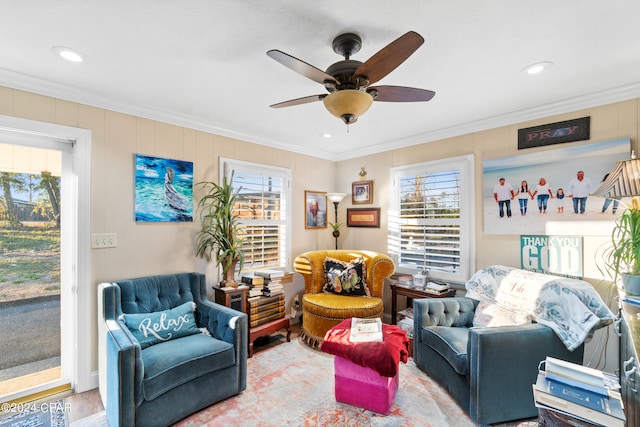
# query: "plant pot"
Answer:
x=631 y=283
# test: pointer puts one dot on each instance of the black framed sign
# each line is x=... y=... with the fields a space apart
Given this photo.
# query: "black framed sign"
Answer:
x=554 y=133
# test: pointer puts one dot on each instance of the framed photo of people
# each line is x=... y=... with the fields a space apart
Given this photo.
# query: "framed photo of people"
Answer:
x=362 y=192
x=523 y=193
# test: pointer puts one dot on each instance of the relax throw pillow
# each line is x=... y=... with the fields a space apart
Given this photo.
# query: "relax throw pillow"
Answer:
x=160 y=326
x=346 y=278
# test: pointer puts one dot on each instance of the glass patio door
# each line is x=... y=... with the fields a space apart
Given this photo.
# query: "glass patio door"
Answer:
x=31 y=286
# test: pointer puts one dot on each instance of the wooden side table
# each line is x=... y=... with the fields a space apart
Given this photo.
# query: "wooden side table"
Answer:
x=411 y=293
x=231 y=297
x=268 y=329
x=236 y=298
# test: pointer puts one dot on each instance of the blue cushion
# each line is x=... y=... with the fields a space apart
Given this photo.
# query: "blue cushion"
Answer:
x=176 y=362
x=161 y=326
x=155 y=293
x=450 y=343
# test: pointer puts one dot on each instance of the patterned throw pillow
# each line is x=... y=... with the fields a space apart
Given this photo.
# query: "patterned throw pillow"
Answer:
x=345 y=278
x=488 y=315
x=160 y=326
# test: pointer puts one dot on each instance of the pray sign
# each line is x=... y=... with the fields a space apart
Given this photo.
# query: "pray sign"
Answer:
x=554 y=133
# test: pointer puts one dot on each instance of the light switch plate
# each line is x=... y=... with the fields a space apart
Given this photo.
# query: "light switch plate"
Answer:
x=103 y=240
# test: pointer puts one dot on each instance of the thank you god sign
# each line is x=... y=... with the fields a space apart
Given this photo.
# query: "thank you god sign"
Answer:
x=558 y=255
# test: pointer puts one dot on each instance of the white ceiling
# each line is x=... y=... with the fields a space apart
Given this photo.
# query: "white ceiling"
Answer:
x=203 y=63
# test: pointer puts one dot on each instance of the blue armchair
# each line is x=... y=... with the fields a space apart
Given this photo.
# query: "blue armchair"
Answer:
x=488 y=371
x=159 y=384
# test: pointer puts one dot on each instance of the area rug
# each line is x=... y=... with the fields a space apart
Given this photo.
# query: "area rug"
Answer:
x=49 y=414
x=293 y=385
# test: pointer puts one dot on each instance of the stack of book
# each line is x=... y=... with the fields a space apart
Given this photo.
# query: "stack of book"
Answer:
x=567 y=391
x=406 y=281
x=405 y=321
x=272 y=282
x=262 y=309
x=436 y=288
x=255 y=283
x=365 y=330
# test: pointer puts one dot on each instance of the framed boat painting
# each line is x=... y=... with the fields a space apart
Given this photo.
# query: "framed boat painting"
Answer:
x=163 y=189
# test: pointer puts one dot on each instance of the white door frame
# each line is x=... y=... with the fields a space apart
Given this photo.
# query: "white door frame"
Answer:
x=75 y=322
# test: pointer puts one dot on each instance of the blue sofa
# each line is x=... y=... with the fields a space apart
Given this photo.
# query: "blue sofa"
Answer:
x=485 y=348
x=488 y=371
x=162 y=383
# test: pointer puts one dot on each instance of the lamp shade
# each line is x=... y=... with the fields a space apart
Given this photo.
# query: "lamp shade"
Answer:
x=623 y=180
x=348 y=104
x=335 y=197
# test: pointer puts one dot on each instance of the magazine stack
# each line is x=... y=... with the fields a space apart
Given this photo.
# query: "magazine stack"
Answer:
x=570 y=394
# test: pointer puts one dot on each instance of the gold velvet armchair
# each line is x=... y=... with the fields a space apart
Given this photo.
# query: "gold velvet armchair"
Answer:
x=322 y=310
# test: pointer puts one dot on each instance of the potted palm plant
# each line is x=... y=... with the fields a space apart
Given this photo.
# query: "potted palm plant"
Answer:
x=220 y=236
x=623 y=258
x=336 y=228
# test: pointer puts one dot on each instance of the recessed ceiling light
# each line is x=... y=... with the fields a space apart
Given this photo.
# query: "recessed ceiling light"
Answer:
x=538 y=67
x=68 y=53
x=326 y=135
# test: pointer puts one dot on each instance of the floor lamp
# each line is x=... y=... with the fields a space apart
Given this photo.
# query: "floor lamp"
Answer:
x=336 y=198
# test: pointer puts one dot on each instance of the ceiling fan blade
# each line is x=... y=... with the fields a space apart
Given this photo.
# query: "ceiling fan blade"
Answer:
x=402 y=94
x=307 y=70
x=299 y=101
x=390 y=57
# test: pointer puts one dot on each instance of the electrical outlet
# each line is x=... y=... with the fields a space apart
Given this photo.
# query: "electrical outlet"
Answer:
x=103 y=240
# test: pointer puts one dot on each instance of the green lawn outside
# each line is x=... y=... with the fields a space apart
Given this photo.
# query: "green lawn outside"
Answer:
x=29 y=262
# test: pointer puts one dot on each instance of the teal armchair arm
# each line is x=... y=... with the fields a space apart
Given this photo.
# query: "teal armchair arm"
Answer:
x=123 y=353
x=504 y=360
x=228 y=325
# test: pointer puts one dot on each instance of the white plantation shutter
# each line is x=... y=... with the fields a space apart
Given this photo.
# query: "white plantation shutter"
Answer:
x=430 y=224
x=263 y=207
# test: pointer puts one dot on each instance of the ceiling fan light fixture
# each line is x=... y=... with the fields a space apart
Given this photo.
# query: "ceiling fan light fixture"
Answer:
x=348 y=104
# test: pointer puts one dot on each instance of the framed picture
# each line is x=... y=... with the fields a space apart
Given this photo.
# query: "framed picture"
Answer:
x=536 y=180
x=163 y=189
x=554 y=133
x=363 y=217
x=315 y=209
x=362 y=192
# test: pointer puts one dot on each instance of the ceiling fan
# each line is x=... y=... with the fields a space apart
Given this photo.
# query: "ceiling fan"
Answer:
x=348 y=81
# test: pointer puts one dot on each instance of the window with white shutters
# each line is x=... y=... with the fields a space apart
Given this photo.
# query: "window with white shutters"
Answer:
x=263 y=207
x=431 y=220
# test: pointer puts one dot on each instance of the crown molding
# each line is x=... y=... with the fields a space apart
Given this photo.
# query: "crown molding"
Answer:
x=56 y=90
x=595 y=99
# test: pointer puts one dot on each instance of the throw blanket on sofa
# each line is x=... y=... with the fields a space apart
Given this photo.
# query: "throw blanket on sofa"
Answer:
x=572 y=308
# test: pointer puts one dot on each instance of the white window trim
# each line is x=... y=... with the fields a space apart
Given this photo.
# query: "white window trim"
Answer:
x=227 y=165
x=467 y=215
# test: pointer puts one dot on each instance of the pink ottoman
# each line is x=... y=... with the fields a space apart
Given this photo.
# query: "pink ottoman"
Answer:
x=364 y=387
